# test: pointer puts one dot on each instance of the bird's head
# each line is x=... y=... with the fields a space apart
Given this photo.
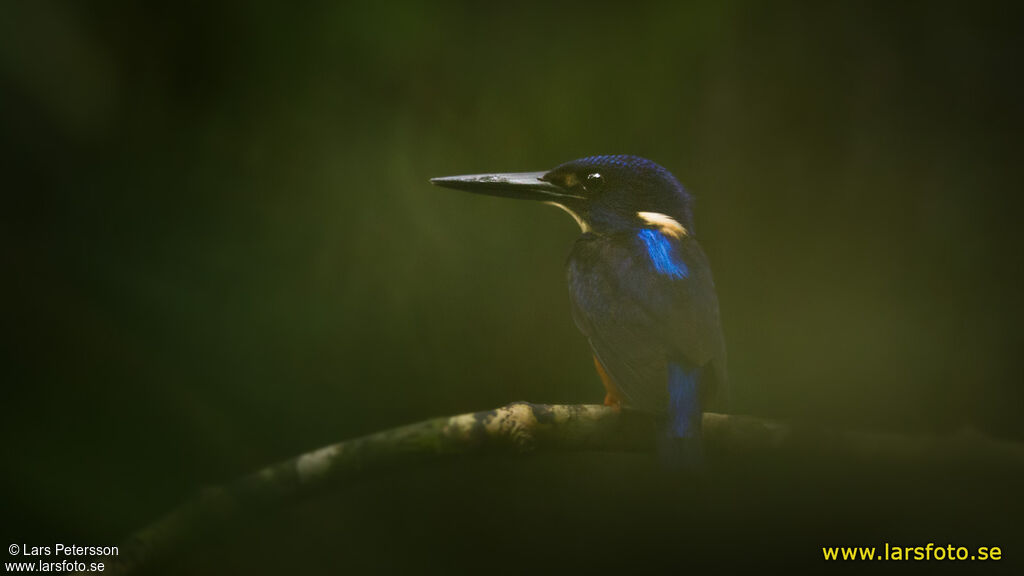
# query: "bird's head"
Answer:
x=605 y=194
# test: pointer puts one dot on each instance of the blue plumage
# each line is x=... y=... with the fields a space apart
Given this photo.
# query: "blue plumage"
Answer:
x=640 y=287
x=684 y=411
x=638 y=165
x=659 y=249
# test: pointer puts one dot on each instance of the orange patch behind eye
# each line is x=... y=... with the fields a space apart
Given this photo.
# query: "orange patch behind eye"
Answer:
x=664 y=223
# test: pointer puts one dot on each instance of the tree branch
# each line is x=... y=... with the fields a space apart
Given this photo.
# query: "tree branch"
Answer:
x=520 y=428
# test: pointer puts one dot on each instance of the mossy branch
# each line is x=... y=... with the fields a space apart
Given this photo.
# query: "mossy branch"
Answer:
x=521 y=428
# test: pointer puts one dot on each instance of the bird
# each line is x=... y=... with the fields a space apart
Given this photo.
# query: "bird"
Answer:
x=640 y=288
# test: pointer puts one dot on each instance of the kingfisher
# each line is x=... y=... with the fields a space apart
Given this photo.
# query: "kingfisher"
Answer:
x=640 y=288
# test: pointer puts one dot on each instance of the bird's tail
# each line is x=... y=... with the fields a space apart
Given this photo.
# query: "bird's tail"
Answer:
x=680 y=445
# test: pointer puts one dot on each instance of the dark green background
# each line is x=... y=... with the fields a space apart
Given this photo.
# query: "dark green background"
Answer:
x=220 y=249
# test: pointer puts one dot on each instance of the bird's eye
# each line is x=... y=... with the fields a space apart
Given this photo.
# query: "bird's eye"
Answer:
x=594 y=182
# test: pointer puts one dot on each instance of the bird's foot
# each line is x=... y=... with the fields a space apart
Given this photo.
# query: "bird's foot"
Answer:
x=612 y=401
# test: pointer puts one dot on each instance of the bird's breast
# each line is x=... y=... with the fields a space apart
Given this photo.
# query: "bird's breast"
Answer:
x=629 y=264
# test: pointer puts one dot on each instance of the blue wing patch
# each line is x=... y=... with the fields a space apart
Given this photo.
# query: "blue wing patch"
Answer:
x=660 y=250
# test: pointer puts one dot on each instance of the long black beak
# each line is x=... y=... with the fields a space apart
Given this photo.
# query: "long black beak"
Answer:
x=526 y=185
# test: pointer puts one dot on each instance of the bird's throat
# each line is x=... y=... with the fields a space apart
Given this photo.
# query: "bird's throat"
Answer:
x=582 y=223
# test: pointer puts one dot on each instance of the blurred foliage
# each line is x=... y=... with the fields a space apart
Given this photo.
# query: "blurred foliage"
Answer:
x=221 y=248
